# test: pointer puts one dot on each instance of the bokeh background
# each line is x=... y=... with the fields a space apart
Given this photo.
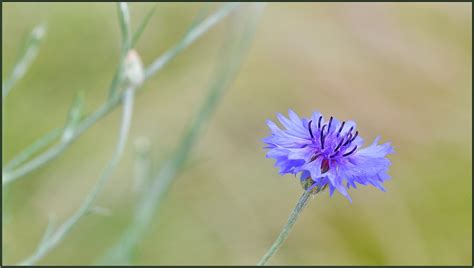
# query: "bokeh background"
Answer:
x=402 y=71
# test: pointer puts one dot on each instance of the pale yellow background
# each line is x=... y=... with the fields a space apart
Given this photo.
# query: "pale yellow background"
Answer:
x=402 y=71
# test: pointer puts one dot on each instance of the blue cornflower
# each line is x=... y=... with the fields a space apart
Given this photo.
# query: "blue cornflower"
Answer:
x=327 y=153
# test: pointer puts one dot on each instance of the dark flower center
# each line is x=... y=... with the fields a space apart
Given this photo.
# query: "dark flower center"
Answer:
x=328 y=138
x=325 y=166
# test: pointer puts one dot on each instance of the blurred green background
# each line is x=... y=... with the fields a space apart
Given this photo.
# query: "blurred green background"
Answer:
x=402 y=71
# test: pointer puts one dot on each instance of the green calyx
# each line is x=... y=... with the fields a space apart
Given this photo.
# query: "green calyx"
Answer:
x=308 y=182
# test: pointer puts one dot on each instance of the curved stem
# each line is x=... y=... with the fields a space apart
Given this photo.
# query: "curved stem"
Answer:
x=27 y=57
x=36 y=146
x=151 y=199
x=50 y=241
x=53 y=152
x=288 y=227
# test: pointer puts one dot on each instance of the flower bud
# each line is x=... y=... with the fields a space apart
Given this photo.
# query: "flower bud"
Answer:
x=38 y=32
x=308 y=182
x=133 y=69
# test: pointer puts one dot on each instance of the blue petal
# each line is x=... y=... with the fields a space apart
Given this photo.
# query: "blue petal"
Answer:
x=295 y=118
x=292 y=128
x=375 y=150
x=315 y=117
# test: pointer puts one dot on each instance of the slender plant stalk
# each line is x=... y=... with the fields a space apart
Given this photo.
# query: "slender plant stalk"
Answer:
x=52 y=238
x=125 y=28
x=302 y=202
x=50 y=241
x=124 y=18
x=158 y=64
x=142 y=164
x=142 y=26
x=147 y=206
x=28 y=55
x=190 y=37
x=34 y=147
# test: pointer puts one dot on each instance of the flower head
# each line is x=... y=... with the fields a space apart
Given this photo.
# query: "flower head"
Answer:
x=327 y=153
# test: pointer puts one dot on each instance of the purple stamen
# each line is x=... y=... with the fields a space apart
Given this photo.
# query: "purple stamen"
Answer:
x=340 y=129
x=309 y=128
x=325 y=149
x=353 y=150
x=314 y=157
x=350 y=130
x=339 y=145
x=348 y=139
x=355 y=136
x=349 y=136
x=322 y=137
x=329 y=126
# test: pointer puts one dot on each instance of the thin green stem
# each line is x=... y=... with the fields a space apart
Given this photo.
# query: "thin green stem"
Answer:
x=55 y=151
x=50 y=241
x=125 y=28
x=190 y=37
x=142 y=164
x=124 y=19
x=155 y=192
x=302 y=202
x=142 y=26
x=26 y=58
x=37 y=145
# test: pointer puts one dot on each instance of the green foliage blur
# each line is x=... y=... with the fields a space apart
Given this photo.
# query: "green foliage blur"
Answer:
x=402 y=71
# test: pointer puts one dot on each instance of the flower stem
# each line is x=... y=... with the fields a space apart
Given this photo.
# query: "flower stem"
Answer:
x=287 y=228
